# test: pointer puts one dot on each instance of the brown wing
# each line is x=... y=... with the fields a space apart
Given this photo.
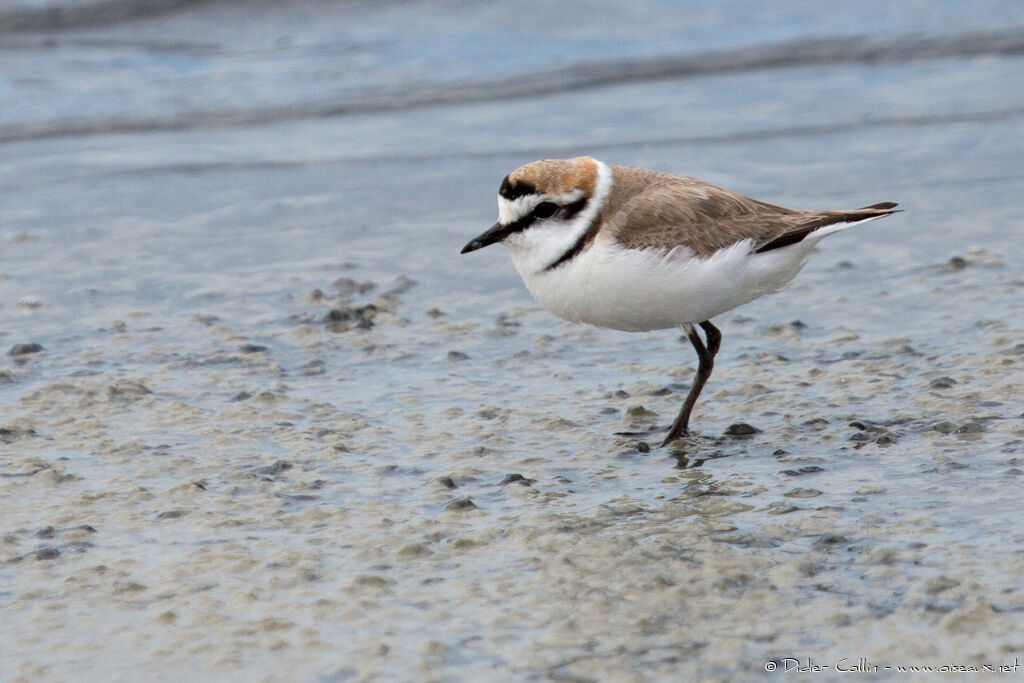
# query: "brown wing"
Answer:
x=664 y=211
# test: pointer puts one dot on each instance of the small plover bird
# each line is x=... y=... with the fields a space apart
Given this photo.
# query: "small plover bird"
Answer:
x=633 y=249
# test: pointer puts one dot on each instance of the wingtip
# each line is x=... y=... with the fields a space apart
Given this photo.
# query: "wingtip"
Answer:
x=881 y=206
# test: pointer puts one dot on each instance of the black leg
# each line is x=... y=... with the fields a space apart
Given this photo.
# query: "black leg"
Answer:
x=714 y=337
x=706 y=363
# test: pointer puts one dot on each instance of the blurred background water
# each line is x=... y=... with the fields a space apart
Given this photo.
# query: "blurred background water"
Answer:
x=167 y=165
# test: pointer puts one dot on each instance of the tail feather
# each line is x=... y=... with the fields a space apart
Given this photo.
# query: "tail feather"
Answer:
x=826 y=218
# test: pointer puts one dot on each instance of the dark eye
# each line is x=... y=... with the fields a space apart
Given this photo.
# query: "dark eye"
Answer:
x=545 y=210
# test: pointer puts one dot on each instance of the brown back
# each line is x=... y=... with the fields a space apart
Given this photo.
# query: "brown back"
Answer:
x=664 y=211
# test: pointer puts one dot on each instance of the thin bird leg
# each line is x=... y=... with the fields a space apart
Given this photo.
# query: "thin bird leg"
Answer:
x=706 y=363
x=714 y=337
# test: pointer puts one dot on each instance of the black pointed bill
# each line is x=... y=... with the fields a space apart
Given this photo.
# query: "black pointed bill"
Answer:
x=495 y=233
x=498 y=231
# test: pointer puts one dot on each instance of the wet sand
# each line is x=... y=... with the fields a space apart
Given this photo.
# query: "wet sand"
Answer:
x=260 y=421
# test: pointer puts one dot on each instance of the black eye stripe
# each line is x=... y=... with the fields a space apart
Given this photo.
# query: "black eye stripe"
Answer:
x=570 y=210
x=548 y=209
x=565 y=212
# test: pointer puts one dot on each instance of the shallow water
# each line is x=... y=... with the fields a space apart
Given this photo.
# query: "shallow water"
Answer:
x=205 y=473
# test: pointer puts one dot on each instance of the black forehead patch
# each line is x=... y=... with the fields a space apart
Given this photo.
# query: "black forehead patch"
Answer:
x=514 y=189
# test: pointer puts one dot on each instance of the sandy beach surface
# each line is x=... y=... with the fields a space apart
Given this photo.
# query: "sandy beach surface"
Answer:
x=260 y=421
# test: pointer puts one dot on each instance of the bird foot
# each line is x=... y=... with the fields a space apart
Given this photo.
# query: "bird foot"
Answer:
x=674 y=437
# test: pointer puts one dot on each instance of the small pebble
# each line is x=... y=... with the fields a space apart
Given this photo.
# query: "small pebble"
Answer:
x=809 y=469
x=457 y=355
x=640 y=413
x=831 y=540
x=461 y=504
x=942 y=383
x=46 y=553
x=741 y=429
x=252 y=348
x=274 y=469
x=802 y=493
x=24 y=349
x=516 y=478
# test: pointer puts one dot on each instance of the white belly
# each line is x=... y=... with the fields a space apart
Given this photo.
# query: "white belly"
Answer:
x=635 y=290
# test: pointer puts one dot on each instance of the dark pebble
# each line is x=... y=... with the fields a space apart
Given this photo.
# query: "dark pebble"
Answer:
x=46 y=553
x=504 y=321
x=252 y=348
x=741 y=429
x=171 y=514
x=240 y=396
x=461 y=504
x=447 y=482
x=515 y=478
x=621 y=394
x=778 y=451
x=274 y=469
x=809 y=469
x=831 y=540
x=643 y=447
x=24 y=349
x=957 y=263
x=46 y=532
x=313 y=368
x=338 y=319
x=942 y=383
x=457 y=355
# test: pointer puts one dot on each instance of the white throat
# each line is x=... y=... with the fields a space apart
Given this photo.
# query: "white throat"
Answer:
x=536 y=248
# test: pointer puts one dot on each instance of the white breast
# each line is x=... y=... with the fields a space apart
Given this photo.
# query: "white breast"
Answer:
x=635 y=290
